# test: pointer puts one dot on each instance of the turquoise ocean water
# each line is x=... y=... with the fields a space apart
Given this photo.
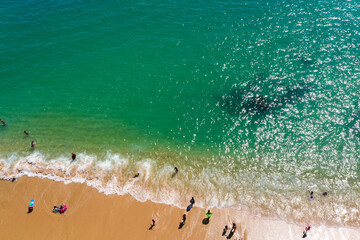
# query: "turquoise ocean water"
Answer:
x=255 y=102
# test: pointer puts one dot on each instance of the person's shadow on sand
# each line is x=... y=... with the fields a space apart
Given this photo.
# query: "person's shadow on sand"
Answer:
x=206 y=221
x=30 y=209
x=181 y=225
x=230 y=235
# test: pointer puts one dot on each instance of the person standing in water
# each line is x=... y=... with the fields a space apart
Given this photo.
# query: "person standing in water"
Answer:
x=33 y=144
x=73 y=156
x=192 y=200
x=26 y=132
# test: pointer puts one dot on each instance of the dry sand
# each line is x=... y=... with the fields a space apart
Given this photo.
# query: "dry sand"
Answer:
x=93 y=215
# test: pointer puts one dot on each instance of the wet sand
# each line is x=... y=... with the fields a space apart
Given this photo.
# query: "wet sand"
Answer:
x=93 y=215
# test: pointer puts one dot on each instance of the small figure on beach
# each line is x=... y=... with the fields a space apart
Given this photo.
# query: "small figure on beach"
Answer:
x=56 y=209
x=152 y=225
x=311 y=195
x=60 y=209
x=33 y=144
x=183 y=221
x=63 y=209
x=209 y=214
x=176 y=170
x=192 y=202
x=13 y=179
x=233 y=229
x=325 y=194
x=31 y=206
x=206 y=220
x=73 y=156
x=225 y=230
x=136 y=175
x=26 y=132
x=307 y=228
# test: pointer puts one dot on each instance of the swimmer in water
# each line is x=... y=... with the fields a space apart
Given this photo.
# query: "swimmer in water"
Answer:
x=33 y=144
x=26 y=132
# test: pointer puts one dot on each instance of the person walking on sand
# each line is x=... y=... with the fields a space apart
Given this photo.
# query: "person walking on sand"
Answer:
x=33 y=144
x=152 y=225
x=184 y=218
x=225 y=230
x=233 y=228
x=209 y=214
x=307 y=228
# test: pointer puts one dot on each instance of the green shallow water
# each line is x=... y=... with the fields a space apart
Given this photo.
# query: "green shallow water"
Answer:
x=175 y=82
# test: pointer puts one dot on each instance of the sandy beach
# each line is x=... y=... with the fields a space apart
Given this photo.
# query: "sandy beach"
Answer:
x=94 y=215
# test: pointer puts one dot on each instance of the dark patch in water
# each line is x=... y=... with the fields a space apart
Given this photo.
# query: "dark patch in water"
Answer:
x=307 y=61
x=295 y=93
x=249 y=100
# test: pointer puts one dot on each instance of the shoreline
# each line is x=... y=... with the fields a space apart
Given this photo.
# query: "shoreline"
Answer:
x=98 y=176
x=115 y=214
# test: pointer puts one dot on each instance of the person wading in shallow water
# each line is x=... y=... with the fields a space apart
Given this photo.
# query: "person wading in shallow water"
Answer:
x=73 y=156
x=26 y=132
x=33 y=144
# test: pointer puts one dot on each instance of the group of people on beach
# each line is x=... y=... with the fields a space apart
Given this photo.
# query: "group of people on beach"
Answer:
x=60 y=209
x=232 y=231
x=57 y=209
